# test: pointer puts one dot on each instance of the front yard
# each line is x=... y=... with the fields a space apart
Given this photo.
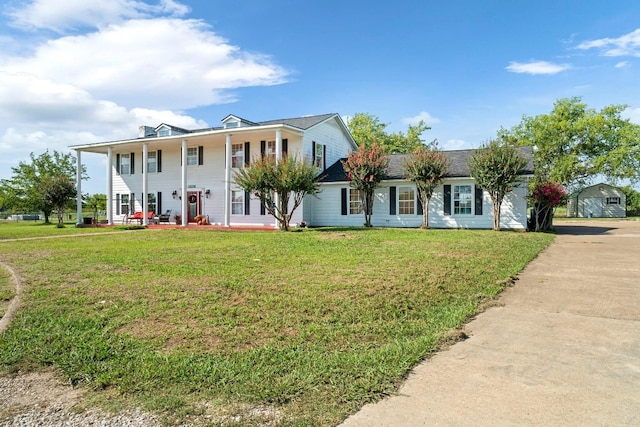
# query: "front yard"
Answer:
x=303 y=327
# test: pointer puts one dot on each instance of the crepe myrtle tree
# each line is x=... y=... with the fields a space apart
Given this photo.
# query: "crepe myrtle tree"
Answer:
x=276 y=182
x=545 y=197
x=365 y=168
x=426 y=167
x=495 y=168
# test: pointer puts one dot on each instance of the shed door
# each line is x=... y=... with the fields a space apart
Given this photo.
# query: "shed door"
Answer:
x=592 y=207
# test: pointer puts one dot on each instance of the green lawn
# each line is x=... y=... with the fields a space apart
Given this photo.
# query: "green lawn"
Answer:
x=28 y=229
x=7 y=290
x=309 y=325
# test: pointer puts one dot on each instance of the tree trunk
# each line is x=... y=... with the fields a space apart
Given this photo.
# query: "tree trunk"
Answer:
x=425 y=212
x=368 y=208
x=496 y=203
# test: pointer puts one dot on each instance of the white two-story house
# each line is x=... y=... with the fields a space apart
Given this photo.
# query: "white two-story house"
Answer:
x=191 y=172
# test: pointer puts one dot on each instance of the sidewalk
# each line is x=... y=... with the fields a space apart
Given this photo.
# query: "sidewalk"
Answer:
x=564 y=349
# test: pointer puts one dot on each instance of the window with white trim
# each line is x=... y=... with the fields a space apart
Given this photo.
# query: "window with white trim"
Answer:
x=164 y=132
x=125 y=164
x=152 y=203
x=124 y=204
x=462 y=199
x=270 y=150
x=237 y=155
x=237 y=202
x=319 y=155
x=406 y=201
x=152 y=162
x=356 y=201
x=192 y=156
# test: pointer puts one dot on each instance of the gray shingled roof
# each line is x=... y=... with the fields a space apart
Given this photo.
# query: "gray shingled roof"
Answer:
x=303 y=123
x=458 y=165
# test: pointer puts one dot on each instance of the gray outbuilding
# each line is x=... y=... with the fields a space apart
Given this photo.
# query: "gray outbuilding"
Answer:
x=598 y=201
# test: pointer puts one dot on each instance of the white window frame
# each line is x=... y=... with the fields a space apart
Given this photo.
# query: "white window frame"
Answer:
x=319 y=156
x=152 y=159
x=124 y=197
x=192 y=156
x=406 y=205
x=356 y=202
x=460 y=203
x=237 y=156
x=123 y=164
x=270 y=150
x=237 y=202
x=164 y=132
x=152 y=203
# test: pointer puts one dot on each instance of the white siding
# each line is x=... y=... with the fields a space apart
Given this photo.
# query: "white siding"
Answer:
x=327 y=209
x=592 y=201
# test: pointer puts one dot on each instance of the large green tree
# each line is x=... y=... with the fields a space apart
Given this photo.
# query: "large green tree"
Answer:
x=495 y=167
x=274 y=182
x=574 y=143
x=426 y=168
x=41 y=184
x=96 y=202
x=365 y=168
x=367 y=129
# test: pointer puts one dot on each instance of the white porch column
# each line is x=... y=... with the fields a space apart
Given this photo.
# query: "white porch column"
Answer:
x=145 y=184
x=278 y=158
x=278 y=145
x=78 y=188
x=183 y=189
x=227 y=182
x=109 y=185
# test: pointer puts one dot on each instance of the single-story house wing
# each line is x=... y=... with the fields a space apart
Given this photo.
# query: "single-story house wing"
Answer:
x=457 y=203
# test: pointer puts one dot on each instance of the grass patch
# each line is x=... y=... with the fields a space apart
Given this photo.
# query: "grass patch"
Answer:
x=7 y=290
x=301 y=327
x=30 y=229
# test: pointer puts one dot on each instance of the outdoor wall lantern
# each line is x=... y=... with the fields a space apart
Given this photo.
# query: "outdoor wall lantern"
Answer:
x=174 y=194
x=207 y=193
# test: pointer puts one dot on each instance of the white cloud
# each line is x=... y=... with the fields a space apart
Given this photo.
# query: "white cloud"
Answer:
x=536 y=67
x=626 y=45
x=622 y=64
x=424 y=116
x=161 y=63
x=455 y=144
x=633 y=114
x=65 y=15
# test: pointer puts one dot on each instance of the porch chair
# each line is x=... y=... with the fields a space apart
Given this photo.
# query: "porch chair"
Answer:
x=165 y=217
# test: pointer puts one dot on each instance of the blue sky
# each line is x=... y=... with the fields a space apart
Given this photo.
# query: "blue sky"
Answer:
x=77 y=71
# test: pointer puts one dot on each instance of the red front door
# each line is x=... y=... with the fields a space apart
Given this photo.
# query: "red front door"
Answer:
x=194 y=205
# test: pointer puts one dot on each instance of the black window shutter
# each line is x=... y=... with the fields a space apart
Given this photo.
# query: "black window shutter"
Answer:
x=343 y=202
x=159 y=162
x=132 y=203
x=447 y=199
x=247 y=153
x=324 y=157
x=419 y=210
x=159 y=203
x=263 y=148
x=285 y=146
x=392 y=200
x=117 y=204
x=478 y=201
x=247 y=203
x=133 y=162
x=313 y=153
x=200 y=155
x=180 y=156
x=118 y=165
x=263 y=209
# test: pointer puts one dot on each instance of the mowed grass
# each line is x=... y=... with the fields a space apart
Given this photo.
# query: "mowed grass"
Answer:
x=302 y=328
x=29 y=229
x=7 y=290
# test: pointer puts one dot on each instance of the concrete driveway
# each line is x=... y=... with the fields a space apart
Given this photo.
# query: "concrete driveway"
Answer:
x=562 y=350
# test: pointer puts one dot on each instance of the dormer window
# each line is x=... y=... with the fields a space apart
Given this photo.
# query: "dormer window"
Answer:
x=232 y=124
x=164 y=132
